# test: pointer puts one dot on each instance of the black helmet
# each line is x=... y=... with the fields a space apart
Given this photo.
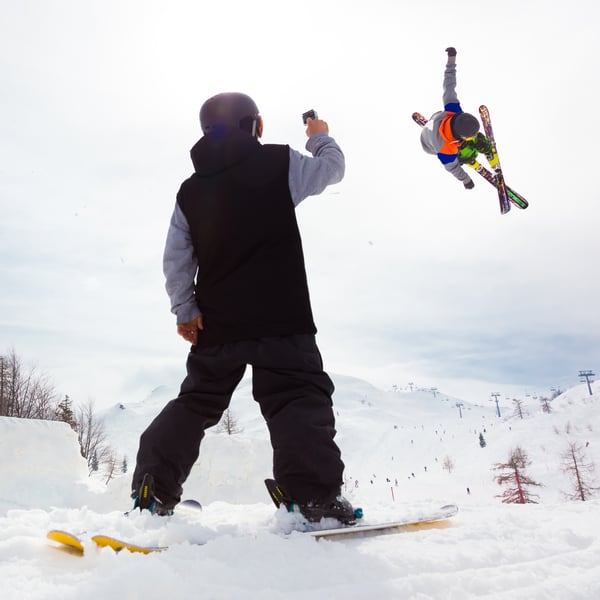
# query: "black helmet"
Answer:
x=228 y=111
x=464 y=125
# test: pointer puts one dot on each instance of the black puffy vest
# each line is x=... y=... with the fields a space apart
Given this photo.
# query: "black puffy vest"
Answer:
x=251 y=280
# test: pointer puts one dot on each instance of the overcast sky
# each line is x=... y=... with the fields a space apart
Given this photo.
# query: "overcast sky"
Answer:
x=413 y=279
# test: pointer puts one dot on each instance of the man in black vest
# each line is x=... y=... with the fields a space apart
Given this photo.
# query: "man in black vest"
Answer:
x=235 y=275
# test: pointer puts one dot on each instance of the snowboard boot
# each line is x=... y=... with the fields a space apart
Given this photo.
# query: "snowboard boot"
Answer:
x=145 y=498
x=337 y=508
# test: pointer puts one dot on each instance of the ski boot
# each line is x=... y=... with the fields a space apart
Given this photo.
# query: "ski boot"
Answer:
x=335 y=508
x=145 y=498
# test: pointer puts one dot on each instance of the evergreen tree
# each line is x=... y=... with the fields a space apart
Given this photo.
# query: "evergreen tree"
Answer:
x=482 y=441
x=64 y=412
x=94 y=462
x=124 y=465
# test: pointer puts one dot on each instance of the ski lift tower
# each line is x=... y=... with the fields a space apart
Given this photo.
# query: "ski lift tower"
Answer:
x=496 y=395
x=586 y=375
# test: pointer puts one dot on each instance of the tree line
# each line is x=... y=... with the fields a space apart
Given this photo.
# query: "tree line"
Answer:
x=26 y=393
x=512 y=474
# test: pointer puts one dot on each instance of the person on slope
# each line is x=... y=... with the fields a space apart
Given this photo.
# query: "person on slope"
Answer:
x=451 y=134
x=237 y=282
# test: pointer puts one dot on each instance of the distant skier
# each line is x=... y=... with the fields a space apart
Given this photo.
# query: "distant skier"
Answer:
x=451 y=134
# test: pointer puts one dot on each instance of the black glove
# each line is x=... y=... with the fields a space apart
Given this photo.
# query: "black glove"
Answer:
x=468 y=183
x=451 y=51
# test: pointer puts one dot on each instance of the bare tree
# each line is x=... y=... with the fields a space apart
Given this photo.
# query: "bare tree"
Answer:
x=515 y=479
x=111 y=465
x=91 y=435
x=3 y=387
x=520 y=410
x=580 y=471
x=228 y=424
x=545 y=403
x=448 y=464
x=24 y=393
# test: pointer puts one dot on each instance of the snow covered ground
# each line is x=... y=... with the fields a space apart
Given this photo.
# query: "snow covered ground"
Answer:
x=394 y=443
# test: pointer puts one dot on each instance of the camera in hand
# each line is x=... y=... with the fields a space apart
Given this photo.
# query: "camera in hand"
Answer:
x=309 y=114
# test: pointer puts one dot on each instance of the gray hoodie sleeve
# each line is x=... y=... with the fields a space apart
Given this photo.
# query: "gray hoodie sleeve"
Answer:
x=180 y=266
x=449 y=96
x=456 y=170
x=309 y=176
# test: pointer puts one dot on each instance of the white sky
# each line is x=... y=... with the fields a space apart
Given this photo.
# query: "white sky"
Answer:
x=412 y=277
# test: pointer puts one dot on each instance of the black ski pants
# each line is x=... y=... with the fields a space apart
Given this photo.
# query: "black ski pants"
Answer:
x=294 y=394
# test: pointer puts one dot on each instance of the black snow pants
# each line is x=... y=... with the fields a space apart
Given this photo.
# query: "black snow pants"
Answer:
x=294 y=394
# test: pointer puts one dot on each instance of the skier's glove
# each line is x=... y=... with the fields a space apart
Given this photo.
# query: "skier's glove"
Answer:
x=451 y=51
x=468 y=183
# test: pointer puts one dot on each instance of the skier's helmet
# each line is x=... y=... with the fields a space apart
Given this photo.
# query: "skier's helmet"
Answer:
x=230 y=111
x=464 y=125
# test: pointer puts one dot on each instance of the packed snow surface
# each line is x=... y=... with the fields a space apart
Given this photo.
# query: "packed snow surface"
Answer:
x=396 y=445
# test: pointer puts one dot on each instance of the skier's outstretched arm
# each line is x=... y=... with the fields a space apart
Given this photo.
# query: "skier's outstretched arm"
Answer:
x=450 y=98
x=455 y=168
x=310 y=175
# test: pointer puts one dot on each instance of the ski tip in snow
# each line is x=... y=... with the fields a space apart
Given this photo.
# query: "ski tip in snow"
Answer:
x=68 y=540
x=105 y=541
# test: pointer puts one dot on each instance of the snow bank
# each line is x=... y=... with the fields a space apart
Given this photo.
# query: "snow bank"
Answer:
x=40 y=460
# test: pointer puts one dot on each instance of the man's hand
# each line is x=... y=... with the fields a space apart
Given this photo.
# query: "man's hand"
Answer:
x=314 y=126
x=189 y=331
x=451 y=51
x=468 y=183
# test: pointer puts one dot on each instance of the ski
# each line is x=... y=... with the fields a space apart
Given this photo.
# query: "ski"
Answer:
x=429 y=519
x=69 y=541
x=494 y=160
x=106 y=541
x=437 y=519
x=514 y=197
x=74 y=542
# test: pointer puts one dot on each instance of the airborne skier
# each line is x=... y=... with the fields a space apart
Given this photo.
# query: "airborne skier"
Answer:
x=448 y=129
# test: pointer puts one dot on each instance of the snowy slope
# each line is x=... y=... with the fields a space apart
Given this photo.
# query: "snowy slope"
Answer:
x=548 y=550
x=384 y=435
